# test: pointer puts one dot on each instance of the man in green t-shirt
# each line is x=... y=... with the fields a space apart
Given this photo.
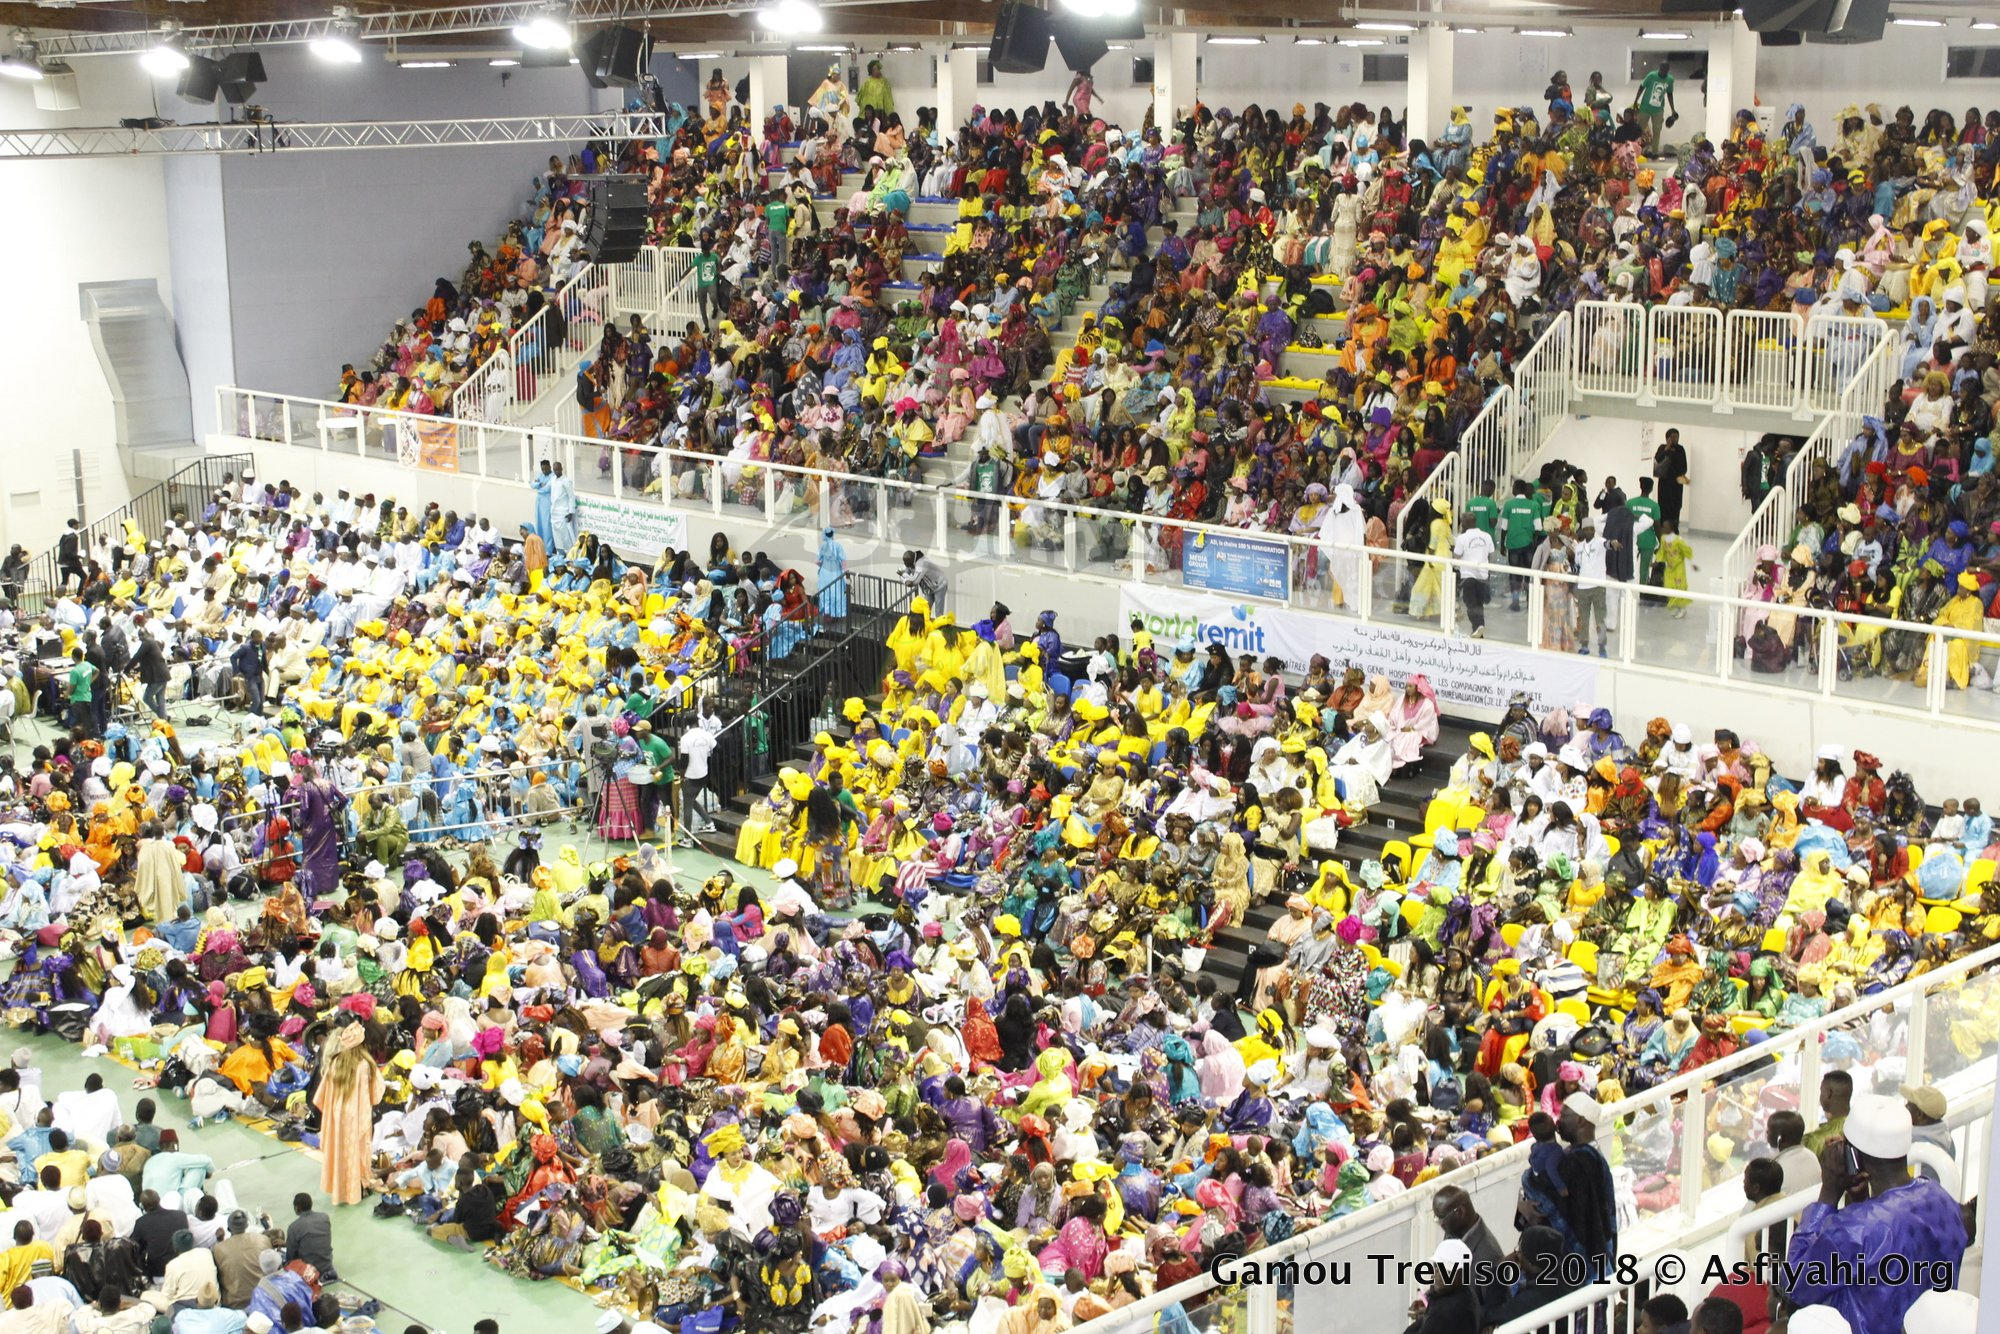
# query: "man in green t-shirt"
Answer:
x=778 y=217
x=1484 y=510
x=1520 y=522
x=707 y=273
x=1656 y=104
x=1648 y=540
x=82 y=676
x=660 y=757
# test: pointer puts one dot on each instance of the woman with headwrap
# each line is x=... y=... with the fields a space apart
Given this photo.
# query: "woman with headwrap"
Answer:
x=350 y=1085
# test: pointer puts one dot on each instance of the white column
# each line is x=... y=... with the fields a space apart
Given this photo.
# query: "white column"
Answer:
x=768 y=87
x=957 y=87
x=1732 y=76
x=1173 y=79
x=1431 y=53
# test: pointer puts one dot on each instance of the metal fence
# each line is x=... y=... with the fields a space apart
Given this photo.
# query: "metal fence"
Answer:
x=181 y=498
x=786 y=699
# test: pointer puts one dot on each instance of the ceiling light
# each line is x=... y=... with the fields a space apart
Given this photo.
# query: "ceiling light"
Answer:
x=1544 y=32
x=427 y=64
x=794 y=17
x=825 y=49
x=1373 y=26
x=1918 y=23
x=1663 y=35
x=503 y=63
x=1118 y=46
x=166 y=59
x=1235 y=41
x=1469 y=32
x=699 y=55
x=1309 y=41
x=546 y=30
x=904 y=46
x=1360 y=41
x=1099 y=9
x=1985 y=25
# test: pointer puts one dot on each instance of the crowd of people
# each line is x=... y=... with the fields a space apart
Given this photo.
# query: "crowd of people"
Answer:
x=947 y=1048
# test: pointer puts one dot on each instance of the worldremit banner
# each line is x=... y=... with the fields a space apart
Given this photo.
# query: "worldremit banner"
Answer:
x=1475 y=676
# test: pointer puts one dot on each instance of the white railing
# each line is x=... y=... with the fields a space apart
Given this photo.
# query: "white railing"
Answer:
x=1685 y=353
x=1610 y=349
x=657 y=286
x=1750 y=359
x=1695 y=1195
x=1542 y=394
x=1762 y=359
x=1690 y=638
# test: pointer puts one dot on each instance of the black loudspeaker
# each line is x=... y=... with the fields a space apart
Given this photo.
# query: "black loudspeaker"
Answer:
x=1020 y=39
x=1081 y=46
x=201 y=80
x=1853 y=21
x=1797 y=15
x=1781 y=39
x=242 y=71
x=617 y=230
x=614 y=57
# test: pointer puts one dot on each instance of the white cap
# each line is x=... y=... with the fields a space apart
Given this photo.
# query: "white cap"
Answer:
x=1828 y=753
x=1452 y=1254
x=785 y=868
x=1819 y=1320
x=1262 y=1072
x=1584 y=1106
x=1878 y=1126
x=1936 y=1312
x=1319 y=1035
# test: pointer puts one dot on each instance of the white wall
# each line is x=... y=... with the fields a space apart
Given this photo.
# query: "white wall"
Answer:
x=327 y=250
x=1498 y=68
x=68 y=223
x=1622 y=448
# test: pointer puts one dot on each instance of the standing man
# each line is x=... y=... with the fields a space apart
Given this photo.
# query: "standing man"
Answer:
x=1591 y=572
x=1647 y=512
x=82 y=716
x=1656 y=104
x=69 y=555
x=1520 y=526
x=149 y=664
x=562 y=512
x=778 y=217
x=1670 y=467
x=543 y=480
x=1590 y=1205
x=706 y=270
x=1484 y=509
x=1474 y=550
x=1870 y=1210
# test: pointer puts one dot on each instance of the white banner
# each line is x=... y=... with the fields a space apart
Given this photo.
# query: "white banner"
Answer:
x=1472 y=676
x=637 y=530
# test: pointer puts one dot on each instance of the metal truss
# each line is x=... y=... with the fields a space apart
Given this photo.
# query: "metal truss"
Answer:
x=286 y=137
x=404 y=23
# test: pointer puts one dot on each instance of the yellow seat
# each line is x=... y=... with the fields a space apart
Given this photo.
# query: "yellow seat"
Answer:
x=1390 y=966
x=1575 y=1009
x=655 y=604
x=1942 y=921
x=1439 y=814
x=1916 y=855
x=1370 y=953
x=1511 y=932
x=1978 y=874
x=1505 y=968
x=1611 y=845
x=1413 y=912
x=1469 y=819
x=1396 y=848
x=1740 y=1024
x=1774 y=940
x=1421 y=841
x=1583 y=954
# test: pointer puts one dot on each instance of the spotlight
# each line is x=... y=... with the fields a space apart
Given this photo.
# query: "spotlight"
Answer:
x=548 y=30
x=340 y=46
x=1372 y=26
x=791 y=16
x=1101 y=9
x=166 y=59
x=24 y=64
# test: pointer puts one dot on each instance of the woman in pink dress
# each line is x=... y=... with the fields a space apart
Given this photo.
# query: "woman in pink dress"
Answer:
x=1412 y=721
